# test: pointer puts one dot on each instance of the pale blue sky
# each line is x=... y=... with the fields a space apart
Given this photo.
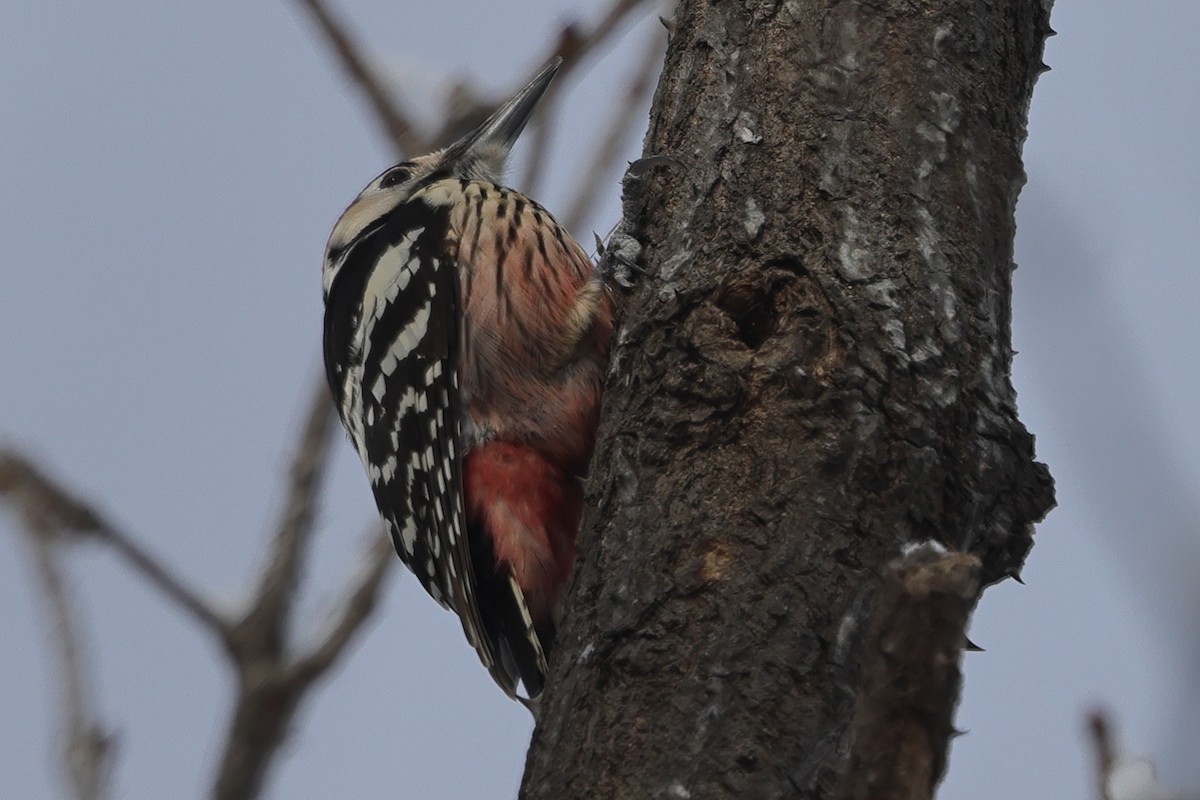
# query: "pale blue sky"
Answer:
x=169 y=175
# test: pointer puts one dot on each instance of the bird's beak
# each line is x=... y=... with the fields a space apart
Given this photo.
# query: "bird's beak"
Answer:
x=491 y=141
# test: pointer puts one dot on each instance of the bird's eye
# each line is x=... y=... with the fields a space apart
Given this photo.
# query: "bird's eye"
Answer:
x=394 y=177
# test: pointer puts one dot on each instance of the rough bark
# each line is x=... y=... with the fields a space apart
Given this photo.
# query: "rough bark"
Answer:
x=909 y=676
x=815 y=373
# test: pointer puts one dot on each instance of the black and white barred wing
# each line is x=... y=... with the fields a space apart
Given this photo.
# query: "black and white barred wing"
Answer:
x=411 y=410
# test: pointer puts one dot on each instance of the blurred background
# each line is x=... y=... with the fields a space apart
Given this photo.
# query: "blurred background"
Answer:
x=169 y=175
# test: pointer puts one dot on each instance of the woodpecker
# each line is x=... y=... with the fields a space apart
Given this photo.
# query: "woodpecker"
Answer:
x=466 y=341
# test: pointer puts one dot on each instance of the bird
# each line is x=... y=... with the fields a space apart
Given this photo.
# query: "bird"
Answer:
x=466 y=341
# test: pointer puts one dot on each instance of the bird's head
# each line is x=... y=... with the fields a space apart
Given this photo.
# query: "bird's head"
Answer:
x=480 y=155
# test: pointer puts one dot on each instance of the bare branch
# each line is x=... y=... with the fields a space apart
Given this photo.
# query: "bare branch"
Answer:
x=539 y=145
x=573 y=47
x=394 y=120
x=624 y=118
x=163 y=579
x=270 y=685
x=87 y=746
x=47 y=506
x=264 y=627
x=270 y=689
x=1120 y=775
x=909 y=679
x=357 y=607
x=1104 y=748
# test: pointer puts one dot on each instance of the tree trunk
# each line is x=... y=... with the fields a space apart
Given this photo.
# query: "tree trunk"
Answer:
x=815 y=373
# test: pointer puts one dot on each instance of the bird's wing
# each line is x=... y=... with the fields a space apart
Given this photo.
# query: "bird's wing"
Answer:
x=413 y=412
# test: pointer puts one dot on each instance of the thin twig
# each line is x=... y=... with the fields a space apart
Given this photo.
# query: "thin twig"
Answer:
x=607 y=153
x=163 y=579
x=1104 y=748
x=264 y=627
x=87 y=746
x=573 y=47
x=40 y=498
x=272 y=687
x=269 y=692
x=539 y=146
x=394 y=120
x=359 y=603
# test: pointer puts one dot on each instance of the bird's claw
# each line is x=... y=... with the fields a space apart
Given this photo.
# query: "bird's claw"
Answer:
x=617 y=259
x=638 y=168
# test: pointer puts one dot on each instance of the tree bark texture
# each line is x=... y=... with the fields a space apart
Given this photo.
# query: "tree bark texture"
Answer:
x=816 y=372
